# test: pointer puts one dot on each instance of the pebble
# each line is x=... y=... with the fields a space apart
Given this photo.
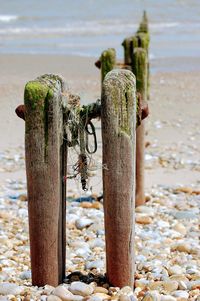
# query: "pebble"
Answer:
x=143 y=219
x=126 y=290
x=102 y=296
x=181 y=294
x=180 y=228
x=97 y=264
x=182 y=247
x=167 y=298
x=10 y=289
x=83 y=223
x=100 y=289
x=94 y=298
x=152 y=296
x=80 y=288
x=182 y=285
x=65 y=295
x=126 y=298
x=53 y=298
x=26 y=275
x=194 y=284
x=175 y=270
x=146 y=210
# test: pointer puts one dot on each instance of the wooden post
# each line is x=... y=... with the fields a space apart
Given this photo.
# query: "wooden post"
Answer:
x=143 y=41
x=139 y=68
x=46 y=159
x=129 y=45
x=118 y=137
x=108 y=62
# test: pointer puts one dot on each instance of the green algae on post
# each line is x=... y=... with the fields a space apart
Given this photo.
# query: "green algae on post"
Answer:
x=108 y=61
x=118 y=116
x=139 y=68
x=46 y=161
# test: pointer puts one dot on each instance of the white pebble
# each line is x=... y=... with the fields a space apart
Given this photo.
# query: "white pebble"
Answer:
x=80 y=288
x=181 y=294
x=10 y=289
x=83 y=222
x=97 y=264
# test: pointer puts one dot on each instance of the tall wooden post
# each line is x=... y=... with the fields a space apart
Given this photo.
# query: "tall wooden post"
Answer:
x=108 y=62
x=118 y=136
x=139 y=68
x=46 y=159
x=143 y=41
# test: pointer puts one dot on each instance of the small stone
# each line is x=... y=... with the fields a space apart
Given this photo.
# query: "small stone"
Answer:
x=102 y=296
x=96 y=205
x=142 y=283
x=182 y=247
x=175 y=270
x=151 y=296
x=86 y=205
x=61 y=292
x=94 y=298
x=83 y=223
x=126 y=298
x=180 y=228
x=23 y=197
x=143 y=219
x=3 y=298
x=42 y=298
x=178 y=277
x=167 y=298
x=194 y=284
x=181 y=294
x=170 y=286
x=182 y=285
x=48 y=289
x=157 y=285
x=26 y=275
x=10 y=289
x=126 y=290
x=97 y=264
x=100 y=289
x=80 y=288
x=53 y=298
x=144 y=209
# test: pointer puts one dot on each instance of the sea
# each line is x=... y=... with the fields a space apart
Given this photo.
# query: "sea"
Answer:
x=87 y=27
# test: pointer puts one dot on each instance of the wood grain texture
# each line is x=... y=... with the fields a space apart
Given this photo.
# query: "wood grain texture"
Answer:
x=139 y=68
x=45 y=167
x=118 y=136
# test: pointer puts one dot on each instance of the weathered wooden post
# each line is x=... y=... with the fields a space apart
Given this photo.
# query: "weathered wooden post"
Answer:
x=139 y=68
x=143 y=41
x=46 y=159
x=108 y=61
x=129 y=44
x=118 y=135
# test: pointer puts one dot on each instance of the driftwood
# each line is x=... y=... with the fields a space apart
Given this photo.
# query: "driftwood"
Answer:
x=118 y=138
x=46 y=159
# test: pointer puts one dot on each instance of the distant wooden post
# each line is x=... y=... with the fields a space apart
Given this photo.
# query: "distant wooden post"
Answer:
x=129 y=44
x=46 y=159
x=108 y=61
x=118 y=137
x=143 y=41
x=139 y=68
